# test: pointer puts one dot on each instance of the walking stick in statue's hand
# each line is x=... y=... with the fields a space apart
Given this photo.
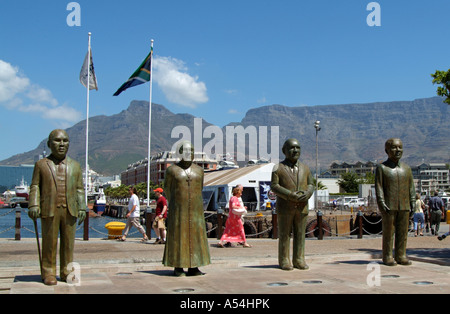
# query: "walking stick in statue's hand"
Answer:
x=38 y=244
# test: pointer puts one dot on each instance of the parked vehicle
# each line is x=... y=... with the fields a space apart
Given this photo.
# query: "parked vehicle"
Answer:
x=22 y=201
x=355 y=203
x=351 y=202
x=344 y=201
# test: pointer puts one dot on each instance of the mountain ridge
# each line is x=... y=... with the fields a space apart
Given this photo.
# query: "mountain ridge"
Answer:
x=349 y=132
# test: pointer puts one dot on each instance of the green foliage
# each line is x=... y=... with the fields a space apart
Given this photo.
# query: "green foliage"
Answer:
x=320 y=185
x=350 y=181
x=369 y=178
x=442 y=77
x=123 y=191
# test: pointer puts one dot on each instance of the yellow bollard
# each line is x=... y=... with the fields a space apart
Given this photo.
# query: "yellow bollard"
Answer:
x=115 y=229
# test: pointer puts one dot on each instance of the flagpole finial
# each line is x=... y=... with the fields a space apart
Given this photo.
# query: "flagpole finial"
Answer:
x=89 y=33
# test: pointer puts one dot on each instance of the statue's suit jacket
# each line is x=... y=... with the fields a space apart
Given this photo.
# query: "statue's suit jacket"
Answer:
x=43 y=192
x=394 y=186
x=284 y=182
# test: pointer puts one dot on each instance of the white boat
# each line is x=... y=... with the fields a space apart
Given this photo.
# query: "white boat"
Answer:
x=22 y=190
x=226 y=164
x=100 y=203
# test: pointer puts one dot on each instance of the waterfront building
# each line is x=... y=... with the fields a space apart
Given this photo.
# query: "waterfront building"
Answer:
x=137 y=172
x=428 y=177
x=360 y=168
x=431 y=177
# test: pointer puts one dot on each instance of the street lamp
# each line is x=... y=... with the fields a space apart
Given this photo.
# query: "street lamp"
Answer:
x=317 y=127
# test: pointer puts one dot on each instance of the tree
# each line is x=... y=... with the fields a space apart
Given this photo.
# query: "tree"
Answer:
x=320 y=185
x=369 y=178
x=118 y=192
x=349 y=182
x=442 y=77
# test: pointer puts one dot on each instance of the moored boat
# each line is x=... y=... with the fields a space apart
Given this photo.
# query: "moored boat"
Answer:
x=22 y=190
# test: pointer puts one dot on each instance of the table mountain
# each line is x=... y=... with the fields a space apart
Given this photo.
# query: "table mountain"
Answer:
x=351 y=132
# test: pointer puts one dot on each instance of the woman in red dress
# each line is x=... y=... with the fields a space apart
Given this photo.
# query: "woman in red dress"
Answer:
x=234 y=228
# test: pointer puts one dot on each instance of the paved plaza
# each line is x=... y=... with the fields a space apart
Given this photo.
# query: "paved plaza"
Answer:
x=337 y=266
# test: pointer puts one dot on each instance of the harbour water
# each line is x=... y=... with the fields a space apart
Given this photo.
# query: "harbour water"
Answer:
x=96 y=226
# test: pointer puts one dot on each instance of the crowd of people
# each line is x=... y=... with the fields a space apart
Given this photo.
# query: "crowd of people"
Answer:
x=234 y=226
x=426 y=215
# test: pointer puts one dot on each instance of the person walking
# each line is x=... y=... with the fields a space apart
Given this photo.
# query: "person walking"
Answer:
x=161 y=215
x=436 y=209
x=234 y=228
x=418 y=215
x=133 y=216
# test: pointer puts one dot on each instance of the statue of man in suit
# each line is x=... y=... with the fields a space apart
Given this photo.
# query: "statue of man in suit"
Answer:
x=293 y=184
x=394 y=187
x=57 y=196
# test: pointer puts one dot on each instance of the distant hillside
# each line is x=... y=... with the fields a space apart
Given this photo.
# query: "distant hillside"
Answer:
x=357 y=132
x=353 y=132
x=118 y=140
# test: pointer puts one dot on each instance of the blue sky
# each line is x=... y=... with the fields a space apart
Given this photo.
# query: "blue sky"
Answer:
x=213 y=59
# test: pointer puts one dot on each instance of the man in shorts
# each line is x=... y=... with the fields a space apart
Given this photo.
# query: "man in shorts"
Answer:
x=161 y=215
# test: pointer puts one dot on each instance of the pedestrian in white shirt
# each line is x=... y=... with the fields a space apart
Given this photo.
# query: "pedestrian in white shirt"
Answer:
x=133 y=216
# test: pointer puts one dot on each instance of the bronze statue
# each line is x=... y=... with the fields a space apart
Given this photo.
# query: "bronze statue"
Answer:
x=293 y=184
x=186 y=244
x=395 y=192
x=57 y=196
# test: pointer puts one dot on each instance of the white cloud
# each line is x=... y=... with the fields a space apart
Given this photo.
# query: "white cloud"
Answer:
x=10 y=82
x=39 y=94
x=177 y=85
x=18 y=93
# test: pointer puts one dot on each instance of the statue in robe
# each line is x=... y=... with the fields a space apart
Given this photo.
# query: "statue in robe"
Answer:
x=187 y=243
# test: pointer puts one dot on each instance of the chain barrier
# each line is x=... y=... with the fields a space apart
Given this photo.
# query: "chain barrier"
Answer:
x=372 y=223
x=5 y=214
x=254 y=220
x=258 y=233
x=372 y=233
x=2 y=215
x=7 y=229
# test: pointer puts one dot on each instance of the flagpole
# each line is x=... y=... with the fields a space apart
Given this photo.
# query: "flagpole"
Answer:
x=87 y=124
x=149 y=127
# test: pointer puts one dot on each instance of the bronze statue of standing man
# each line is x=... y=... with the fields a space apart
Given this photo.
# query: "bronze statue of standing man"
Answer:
x=187 y=243
x=293 y=184
x=57 y=196
x=395 y=192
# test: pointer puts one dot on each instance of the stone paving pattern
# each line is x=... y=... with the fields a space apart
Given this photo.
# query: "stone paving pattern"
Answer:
x=337 y=266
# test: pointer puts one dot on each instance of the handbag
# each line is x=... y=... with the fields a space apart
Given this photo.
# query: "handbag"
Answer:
x=159 y=223
x=239 y=211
